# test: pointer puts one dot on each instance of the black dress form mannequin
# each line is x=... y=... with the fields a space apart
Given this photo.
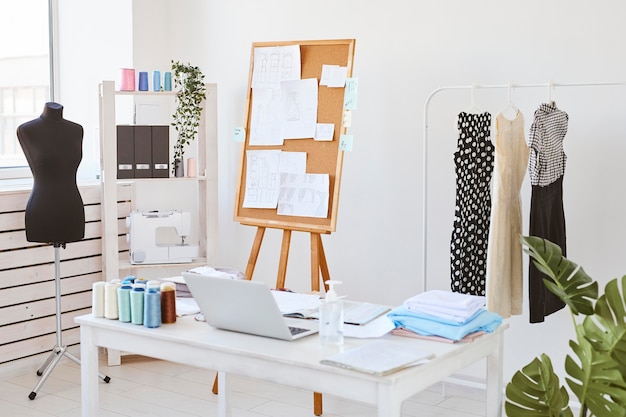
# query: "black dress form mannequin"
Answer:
x=55 y=212
x=53 y=149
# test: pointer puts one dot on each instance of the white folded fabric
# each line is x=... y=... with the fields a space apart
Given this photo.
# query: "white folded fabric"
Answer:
x=446 y=304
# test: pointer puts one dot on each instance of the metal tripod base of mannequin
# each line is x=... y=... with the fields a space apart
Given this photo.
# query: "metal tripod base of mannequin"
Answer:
x=59 y=349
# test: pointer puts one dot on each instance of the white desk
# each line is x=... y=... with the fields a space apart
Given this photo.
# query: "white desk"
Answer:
x=293 y=364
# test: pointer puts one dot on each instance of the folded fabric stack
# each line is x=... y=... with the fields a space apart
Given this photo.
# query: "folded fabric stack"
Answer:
x=445 y=314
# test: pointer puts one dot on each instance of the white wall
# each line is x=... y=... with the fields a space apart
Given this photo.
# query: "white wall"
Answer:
x=404 y=50
x=95 y=40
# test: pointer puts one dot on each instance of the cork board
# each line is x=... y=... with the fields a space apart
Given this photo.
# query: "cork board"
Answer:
x=323 y=157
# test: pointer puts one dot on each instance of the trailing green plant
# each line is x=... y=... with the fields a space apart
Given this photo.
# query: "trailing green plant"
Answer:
x=189 y=82
x=597 y=369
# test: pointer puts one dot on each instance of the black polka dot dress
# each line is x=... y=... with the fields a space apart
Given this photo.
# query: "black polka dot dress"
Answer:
x=473 y=162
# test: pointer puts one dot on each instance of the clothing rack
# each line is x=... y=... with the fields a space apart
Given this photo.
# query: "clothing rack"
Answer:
x=550 y=86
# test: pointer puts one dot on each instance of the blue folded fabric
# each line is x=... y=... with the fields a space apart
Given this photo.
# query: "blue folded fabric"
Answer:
x=427 y=325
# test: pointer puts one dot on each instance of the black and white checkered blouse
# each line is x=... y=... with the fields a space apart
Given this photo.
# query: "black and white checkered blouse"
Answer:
x=545 y=139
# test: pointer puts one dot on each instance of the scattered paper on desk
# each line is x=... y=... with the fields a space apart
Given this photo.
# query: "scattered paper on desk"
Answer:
x=379 y=357
x=293 y=302
x=186 y=307
x=376 y=328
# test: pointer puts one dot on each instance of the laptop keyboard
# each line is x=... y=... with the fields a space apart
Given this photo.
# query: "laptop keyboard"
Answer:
x=296 y=330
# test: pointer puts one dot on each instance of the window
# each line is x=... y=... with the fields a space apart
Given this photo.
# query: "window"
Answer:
x=24 y=74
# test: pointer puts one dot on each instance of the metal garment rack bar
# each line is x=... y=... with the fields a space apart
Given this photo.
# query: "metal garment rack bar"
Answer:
x=550 y=86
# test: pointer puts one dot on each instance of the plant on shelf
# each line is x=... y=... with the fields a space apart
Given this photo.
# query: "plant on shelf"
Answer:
x=597 y=370
x=191 y=91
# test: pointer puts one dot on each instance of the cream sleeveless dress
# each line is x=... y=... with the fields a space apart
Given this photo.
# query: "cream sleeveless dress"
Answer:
x=504 y=284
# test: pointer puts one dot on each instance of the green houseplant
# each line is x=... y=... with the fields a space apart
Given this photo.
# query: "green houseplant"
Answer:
x=597 y=370
x=191 y=92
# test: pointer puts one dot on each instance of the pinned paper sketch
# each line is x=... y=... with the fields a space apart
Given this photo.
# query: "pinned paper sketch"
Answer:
x=324 y=131
x=333 y=76
x=299 y=108
x=262 y=175
x=262 y=181
x=274 y=64
x=351 y=93
x=265 y=118
x=345 y=142
x=304 y=195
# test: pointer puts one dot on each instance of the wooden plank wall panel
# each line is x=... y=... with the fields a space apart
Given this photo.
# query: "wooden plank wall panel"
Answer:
x=27 y=287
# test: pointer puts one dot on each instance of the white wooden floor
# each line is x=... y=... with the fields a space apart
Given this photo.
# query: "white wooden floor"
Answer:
x=148 y=387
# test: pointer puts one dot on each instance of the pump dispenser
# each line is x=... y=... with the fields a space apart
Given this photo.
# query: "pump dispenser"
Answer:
x=331 y=317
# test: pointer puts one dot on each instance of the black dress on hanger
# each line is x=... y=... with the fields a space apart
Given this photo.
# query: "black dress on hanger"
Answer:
x=473 y=161
x=547 y=218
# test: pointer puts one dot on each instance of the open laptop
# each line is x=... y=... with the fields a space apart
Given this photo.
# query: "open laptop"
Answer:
x=243 y=306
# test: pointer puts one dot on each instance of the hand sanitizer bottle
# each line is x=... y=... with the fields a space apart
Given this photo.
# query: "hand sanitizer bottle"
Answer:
x=331 y=317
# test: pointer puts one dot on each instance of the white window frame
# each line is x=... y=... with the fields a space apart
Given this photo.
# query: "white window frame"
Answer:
x=23 y=172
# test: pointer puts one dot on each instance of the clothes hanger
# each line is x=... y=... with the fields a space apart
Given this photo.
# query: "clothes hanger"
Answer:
x=473 y=108
x=550 y=87
x=510 y=106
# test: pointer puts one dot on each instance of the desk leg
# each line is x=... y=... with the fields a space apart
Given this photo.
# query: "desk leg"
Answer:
x=388 y=406
x=223 y=395
x=494 y=379
x=88 y=374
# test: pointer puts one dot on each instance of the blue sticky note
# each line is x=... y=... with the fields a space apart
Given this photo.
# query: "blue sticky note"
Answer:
x=350 y=94
x=345 y=142
x=239 y=134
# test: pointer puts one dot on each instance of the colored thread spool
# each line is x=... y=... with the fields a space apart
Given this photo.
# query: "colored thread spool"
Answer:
x=156 y=81
x=143 y=81
x=129 y=279
x=110 y=299
x=123 y=303
x=127 y=79
x=152 y=308
x=167 y=81
x=168 y=303
x=97 y=299
x=136 y=304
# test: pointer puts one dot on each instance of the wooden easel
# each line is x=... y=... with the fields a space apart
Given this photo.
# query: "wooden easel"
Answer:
x=318 y=259
x=322 y=157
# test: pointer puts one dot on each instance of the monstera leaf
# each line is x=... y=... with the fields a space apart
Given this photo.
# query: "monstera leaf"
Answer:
x=606 y=330
x=535 y=391
x=596 y=380
x=597 y=370
x=569 y=281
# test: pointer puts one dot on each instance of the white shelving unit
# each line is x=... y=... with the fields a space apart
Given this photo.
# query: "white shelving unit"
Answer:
x=204 y=193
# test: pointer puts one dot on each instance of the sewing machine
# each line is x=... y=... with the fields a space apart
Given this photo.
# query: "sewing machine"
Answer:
x=145 y=237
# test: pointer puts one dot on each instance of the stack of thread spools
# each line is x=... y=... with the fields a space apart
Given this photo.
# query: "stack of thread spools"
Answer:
x=135 y=300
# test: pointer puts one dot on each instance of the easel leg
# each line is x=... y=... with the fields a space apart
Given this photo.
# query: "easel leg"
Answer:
x=254 y=253
x=284 y=257
x=318 y=263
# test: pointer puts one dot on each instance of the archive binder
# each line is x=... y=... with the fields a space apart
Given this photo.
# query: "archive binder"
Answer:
x=125 y=152
x=160 y=151
x=143 y=152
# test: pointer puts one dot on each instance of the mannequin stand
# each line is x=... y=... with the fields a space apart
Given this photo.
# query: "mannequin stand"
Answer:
x=59 y=349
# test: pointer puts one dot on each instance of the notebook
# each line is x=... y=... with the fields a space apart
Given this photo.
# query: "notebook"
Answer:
x=243 y=306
